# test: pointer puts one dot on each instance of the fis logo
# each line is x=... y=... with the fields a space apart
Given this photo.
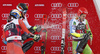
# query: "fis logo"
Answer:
x=56 y=4
x=7 y=5
x=73 y=4
x=39 y=5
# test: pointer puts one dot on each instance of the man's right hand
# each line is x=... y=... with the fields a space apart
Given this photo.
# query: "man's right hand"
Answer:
x=36 y=37
x=37 y=28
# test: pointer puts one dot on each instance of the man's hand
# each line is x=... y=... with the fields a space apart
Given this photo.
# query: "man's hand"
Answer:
x=36 y=37
x=37 y=28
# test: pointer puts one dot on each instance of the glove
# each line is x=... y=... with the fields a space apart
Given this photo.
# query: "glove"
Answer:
x=37 y=28
x=36 y=37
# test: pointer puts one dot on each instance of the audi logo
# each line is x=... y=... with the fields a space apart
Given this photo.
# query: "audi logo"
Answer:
x=64 y=16
x=55 y=48
x=56 y=15
x=2 y=25
x=2 y=37
x=56 y=27
x=63 y=31
x=37 y=48
x=55 y=37
x=27 y=4
x=27 y=15
x=72 y=4
x=3 y=47
x=5 y=15
x=56 y=4
x=71 y=15
x=69 y=48
x=38 y=15
x=69 y=38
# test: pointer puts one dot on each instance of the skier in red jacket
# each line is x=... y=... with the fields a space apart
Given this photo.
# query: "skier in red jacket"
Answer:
x=12 y=33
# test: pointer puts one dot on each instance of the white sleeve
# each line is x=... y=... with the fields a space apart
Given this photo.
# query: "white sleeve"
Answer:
x=4 y=26
x=72 y=26
x=26 y=23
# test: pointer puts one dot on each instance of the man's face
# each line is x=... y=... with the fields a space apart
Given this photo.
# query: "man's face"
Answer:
x=82 y=17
